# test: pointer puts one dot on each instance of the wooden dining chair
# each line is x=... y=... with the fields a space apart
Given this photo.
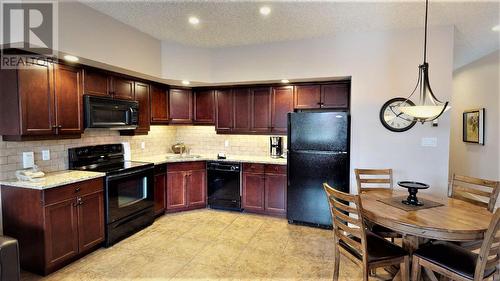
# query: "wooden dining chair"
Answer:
x=476 y=191
x=369 y=179
x=457 y=263
x=366 y=249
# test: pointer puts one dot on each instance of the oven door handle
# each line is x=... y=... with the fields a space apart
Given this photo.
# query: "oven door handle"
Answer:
x=120 y=176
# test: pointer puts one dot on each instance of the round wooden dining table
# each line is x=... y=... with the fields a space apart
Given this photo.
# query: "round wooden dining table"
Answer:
x=455 y=220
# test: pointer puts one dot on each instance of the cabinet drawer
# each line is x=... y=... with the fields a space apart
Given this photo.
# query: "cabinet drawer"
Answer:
x=69 y=191
x=276 y=169
x=186 y=166
x=253 y=168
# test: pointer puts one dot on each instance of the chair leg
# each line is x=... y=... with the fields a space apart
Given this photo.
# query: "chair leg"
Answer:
x=366 y=273
x=405 y=269
x=336 y=266
x=416 y=269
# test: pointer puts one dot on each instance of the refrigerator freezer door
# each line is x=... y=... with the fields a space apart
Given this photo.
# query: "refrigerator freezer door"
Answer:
x=307 y=171
x=321 y=131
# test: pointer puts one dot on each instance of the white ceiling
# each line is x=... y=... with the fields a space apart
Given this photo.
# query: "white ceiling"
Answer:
x=224 y=23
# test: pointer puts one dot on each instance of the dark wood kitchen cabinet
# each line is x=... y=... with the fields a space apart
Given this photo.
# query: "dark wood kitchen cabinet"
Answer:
x=123 y=88
x=160 y=189
x=41 y=102
x=159 y=104
x=260 y=110
x=186 y=186
x=96 y=83
x=264 y=189
x=180 y=106
x=242 y=110
x=326 y=96
x=307 y=96
x=204 y=107
x=224 y=110
x=282 y=104
x=54 y=226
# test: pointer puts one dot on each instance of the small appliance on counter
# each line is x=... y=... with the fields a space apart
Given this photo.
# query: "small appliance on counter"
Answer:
x=33 y=175
x=276 y=147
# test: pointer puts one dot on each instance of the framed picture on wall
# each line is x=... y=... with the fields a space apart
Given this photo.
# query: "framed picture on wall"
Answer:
x=473 y=126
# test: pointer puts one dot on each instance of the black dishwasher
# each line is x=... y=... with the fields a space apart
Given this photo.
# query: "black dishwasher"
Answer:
x=224 y=185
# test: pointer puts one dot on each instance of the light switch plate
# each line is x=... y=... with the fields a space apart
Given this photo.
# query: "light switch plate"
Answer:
x=28 y=160
x=226 y=143
x=45 y=155
x=429 y=142
x=143 y=145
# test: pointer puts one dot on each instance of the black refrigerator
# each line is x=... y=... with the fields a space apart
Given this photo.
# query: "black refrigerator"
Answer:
x=318 y=152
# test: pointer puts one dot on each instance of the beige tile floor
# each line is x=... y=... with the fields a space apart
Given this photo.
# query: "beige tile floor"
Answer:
x=213 y=245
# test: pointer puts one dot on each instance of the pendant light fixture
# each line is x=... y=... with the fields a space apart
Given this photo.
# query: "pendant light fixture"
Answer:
x=429 y=108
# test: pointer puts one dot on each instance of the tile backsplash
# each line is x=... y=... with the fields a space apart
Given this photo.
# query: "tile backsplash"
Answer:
x=200 y=139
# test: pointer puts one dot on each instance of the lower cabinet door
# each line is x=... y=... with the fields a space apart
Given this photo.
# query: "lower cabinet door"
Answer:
x=275 y=194
x=253 y=192
x=61 y=237
x=176 y=190
x=90 y=220
x=197 y=188
x=160 y=181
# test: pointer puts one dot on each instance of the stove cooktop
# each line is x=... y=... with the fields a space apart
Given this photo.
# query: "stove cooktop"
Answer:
x=113 y=167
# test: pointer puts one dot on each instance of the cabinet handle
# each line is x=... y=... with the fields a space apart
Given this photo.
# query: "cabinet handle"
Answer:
x=77 y=189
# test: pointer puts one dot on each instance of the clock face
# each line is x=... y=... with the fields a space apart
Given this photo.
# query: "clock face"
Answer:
x=393 y=119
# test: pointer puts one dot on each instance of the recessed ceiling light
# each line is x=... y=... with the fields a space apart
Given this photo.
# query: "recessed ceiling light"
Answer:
x=194 y=20
x=496 y=28
x=185 y=82
x=265 y=10
x=284 y=81
x=70 y=58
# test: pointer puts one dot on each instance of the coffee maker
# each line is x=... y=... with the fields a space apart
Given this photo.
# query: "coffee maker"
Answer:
x=276 y=147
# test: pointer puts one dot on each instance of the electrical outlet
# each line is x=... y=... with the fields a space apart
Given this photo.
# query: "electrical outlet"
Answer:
x=45 y=155
x=143 y=145
x=28 y=159
x=226 y=143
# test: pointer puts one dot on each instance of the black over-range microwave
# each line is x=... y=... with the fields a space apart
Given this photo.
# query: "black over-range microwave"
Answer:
x=101 y=112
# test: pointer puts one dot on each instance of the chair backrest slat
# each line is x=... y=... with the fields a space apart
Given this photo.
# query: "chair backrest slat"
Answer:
x=348 y=223
x=490 y=249
x=477 y=191
x=373 y=178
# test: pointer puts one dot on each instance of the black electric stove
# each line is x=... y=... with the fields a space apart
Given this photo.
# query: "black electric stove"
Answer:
x=128 y=191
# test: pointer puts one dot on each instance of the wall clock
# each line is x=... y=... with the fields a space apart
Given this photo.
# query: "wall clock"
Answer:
x=395 y=120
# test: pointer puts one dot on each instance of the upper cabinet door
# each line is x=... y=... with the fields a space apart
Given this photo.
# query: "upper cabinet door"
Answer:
x=96 y=83
x=204 y=107
x=142 y=97
x=224 y=110
x=307 y=96
x=36 y=91
x=68 y=94
x=180 y=106
x=159 y=104
x=335 y=95
x=282 y=103
x=123 y=88
x=242 y=110
x=261 y=110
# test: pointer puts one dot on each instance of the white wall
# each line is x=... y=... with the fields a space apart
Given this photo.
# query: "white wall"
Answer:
x=476 y=85
x=181 y=62
x=383 y=65
x=88 y=33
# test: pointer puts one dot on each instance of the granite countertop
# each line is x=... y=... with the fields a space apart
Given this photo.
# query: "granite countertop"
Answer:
x=174 y=158
x=55 y=179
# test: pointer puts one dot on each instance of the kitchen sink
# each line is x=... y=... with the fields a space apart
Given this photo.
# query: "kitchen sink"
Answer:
x=183 y=156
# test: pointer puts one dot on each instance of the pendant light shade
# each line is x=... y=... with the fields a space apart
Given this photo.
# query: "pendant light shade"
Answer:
x=429 y=107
